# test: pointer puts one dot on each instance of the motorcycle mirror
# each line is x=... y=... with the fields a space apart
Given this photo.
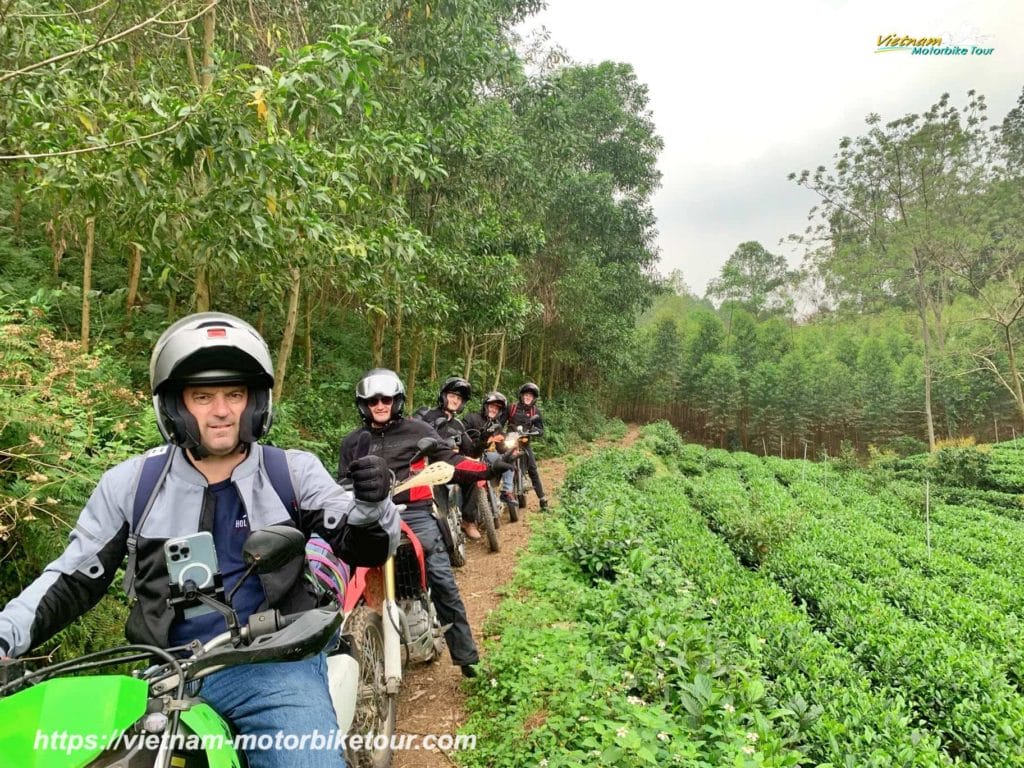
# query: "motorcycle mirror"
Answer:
x=267 y=549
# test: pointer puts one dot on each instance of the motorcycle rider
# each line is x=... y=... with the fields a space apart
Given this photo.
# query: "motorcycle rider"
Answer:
x=212 y=380
x=489 y=428
x=451 y=400
x=525 y=413
x=380 y=398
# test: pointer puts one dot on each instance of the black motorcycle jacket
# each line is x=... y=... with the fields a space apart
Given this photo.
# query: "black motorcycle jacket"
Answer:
x=478 y=430
x=396 y=442
x=520 y=415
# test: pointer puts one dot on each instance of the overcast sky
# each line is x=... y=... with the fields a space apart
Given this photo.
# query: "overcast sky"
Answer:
x=743 y=93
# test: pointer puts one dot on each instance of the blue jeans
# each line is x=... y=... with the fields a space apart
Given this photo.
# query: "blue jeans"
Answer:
x=289 y=698
x=506 y=477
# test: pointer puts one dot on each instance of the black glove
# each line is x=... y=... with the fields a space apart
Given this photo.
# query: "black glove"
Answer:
x=498 y=468
x=371 y=478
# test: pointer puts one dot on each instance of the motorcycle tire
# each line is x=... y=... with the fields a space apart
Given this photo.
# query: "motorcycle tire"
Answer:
x=487 y=512
x=376 y=709
x=458 y=551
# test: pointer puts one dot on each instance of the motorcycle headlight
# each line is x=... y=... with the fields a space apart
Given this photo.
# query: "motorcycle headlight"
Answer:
x=510 y=442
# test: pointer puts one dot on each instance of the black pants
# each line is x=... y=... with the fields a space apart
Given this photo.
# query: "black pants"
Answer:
x=443 y=589
x=531 y=469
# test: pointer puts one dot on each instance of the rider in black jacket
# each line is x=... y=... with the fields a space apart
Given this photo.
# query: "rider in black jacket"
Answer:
x=451 y=400
x=526 y=414
x=380 y=397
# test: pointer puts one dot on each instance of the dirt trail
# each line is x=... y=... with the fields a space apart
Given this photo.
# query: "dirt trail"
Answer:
x=432 y=700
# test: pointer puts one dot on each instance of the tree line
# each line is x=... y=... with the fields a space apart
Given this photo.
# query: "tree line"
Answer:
x=904 y=325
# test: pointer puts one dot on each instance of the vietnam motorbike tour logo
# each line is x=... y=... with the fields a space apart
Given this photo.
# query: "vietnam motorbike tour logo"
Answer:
x=971 y=44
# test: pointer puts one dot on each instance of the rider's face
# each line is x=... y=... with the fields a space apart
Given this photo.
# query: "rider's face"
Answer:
x=493 y=409
x=528 y=398
x=380 y=408
x=452 y=401
x=218 y=411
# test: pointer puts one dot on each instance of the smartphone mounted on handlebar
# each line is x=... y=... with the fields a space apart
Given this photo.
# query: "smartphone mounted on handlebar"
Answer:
x=192 y=568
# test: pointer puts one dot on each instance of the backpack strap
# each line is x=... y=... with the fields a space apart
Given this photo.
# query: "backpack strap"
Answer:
x=275 y=461
x=512 y=411
x=154 y=469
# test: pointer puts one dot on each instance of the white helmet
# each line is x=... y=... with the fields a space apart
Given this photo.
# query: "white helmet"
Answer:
x=210 y=348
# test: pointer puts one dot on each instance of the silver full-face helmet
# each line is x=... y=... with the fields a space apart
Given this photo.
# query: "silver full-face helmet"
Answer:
x=211 y=348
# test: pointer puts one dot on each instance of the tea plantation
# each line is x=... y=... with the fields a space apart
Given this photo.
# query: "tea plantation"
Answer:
x=696 y=607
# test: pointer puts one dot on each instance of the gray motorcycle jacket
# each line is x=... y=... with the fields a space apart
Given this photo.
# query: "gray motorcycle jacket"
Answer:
x=361 y=533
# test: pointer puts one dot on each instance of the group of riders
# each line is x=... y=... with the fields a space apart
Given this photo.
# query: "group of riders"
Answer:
x=212 y=380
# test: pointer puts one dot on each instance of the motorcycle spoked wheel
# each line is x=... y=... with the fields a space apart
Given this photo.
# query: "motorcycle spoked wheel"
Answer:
x=487 y=514
x=453 y=514
x=376 y=709
x=519 y=484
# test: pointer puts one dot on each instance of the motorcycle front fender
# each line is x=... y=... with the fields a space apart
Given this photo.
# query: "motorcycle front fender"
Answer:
x=212 y=730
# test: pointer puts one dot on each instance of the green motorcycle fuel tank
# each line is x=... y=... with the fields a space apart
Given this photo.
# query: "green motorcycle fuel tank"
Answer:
x=70 y=722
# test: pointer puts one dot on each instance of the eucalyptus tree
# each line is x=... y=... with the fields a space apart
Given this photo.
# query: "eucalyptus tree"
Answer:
x=890 y=210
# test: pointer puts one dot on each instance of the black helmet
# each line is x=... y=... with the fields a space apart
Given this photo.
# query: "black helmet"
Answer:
x=493 y=397
x=529 y=387
x=379 y=381
x=210 y=348
x=460 y=387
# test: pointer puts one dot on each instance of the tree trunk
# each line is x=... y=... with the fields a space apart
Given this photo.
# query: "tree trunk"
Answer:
x=470 y=349
x=134 y=273
x=926 y=338
x=433 y=362
x=308 y=338
x=209 y=28
x=202 y=291
x=90 y=236
x=501 y=362
x=397 y=345
x=291 y=323
x=379 y=322
x=58 y=242
x=414 y=366
x=1011 y=355
x=540 y=361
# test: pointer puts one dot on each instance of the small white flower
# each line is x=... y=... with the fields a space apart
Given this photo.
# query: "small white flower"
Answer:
x=621 y=733
x=748 y=750
x=661 y=645
x=636 y=701
x=663 y=736
x=729 y=708
x=661 y=676
x=583 y=718
x=494 y=683
x=751 y=736
x=543 y=763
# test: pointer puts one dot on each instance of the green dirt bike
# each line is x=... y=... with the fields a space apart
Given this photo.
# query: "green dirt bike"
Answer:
x=68 y=715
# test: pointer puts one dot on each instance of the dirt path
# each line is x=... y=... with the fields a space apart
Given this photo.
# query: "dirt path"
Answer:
x=432 y=700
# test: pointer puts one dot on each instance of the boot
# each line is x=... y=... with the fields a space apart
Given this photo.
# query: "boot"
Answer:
x=543 y=502
x=470 y=529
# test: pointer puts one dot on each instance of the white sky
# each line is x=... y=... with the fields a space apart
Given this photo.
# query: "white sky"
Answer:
x=743 y=93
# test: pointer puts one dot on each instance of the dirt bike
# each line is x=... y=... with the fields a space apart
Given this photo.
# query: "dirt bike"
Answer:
x=516 y=442
x=146 y=718
x=398 y=625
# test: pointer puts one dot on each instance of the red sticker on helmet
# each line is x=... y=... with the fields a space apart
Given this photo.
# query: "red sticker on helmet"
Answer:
x=213 y=333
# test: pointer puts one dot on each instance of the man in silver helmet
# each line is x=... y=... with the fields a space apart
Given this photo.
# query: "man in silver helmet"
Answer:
x=380 y=398
x=212 y=381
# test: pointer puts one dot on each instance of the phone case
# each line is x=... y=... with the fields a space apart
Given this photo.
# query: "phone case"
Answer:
x=194 y=558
